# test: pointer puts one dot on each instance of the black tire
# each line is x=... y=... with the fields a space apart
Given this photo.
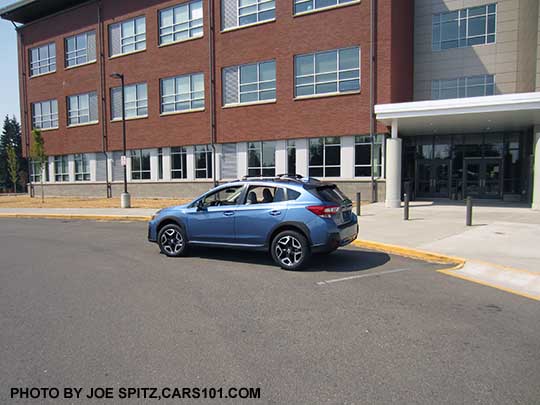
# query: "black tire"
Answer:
x=172 y=241
x=290 y=250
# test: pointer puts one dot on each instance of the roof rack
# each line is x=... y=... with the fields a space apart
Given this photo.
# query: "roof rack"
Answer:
x=297 y=178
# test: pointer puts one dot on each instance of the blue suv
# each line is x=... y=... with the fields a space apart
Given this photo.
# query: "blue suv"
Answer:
x=290 y=216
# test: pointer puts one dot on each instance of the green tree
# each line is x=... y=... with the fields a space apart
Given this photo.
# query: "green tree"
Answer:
x=38 y=155
x=11 y=136
x=13 y=166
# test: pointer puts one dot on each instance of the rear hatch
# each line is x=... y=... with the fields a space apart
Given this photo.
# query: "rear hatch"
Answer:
x=332 y=195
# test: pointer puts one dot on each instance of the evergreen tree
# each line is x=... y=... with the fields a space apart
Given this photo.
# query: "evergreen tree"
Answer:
x=11 y=136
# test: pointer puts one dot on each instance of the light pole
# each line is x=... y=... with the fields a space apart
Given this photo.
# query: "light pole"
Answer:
x=125 y=198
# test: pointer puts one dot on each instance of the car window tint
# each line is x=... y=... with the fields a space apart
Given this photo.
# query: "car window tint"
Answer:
x=330 y=194
x=292 y=194
x=260 y=195
x=224 y=196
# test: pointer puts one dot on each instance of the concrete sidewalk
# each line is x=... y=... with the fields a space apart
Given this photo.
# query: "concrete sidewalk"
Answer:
x=141 y=214
x=501 y=249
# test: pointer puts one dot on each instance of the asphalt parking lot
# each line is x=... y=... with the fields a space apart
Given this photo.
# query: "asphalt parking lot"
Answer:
x=93 y=304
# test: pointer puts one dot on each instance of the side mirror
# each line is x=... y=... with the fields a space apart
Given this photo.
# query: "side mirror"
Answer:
x=200 y=205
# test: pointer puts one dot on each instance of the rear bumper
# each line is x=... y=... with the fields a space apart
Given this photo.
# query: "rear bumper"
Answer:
x=345 y=235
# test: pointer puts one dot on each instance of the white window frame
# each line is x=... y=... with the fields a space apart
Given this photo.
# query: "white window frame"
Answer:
x=379 y=141
x=81 y=161
x=462 y=86
x=46 y=62
x=139 y=103
x=179 y=98
x=324 y=166
x=138 y=153
x=258 y=4
x=192 y=24
x=314 y=7
x=130 y=40
x=39 y=119
x=205 y=150
x=463 y=18
x=74 y=54
x=182 y=152
x=337 y=72
x=79 y=115
x=61 y=162
x=259 y=146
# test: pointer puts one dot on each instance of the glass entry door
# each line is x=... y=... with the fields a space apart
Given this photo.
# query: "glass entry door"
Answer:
x=482 y=178
x=433 y=178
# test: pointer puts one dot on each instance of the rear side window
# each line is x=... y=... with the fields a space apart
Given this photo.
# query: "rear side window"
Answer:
x=292 y=194
x=331 y=194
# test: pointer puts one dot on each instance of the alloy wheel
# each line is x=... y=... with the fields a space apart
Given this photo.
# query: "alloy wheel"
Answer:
x=172 y=241
x=289 y=250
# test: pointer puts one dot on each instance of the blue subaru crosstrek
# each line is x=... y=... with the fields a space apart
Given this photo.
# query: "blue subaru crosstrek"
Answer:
x=290 y=216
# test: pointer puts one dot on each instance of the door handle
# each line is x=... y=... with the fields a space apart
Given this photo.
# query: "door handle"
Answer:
x=275 y=212
x=228 y=213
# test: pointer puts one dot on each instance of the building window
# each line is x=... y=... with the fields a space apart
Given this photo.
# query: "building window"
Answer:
x=35 y=172
x=253 y=11
x=61 y=170
x=136 y=101
x=182 y=93
x=160 y=163
x=325 y=157
x=261 y=159
x=178 y=163
x=291 y=157
x=82 y=168
x=302 y=6
x=82 y=108
x=80 y=49
x=327 y=72
x=181 y=22
x=363 y=152
x=466 y=27
x=140 y=164
x=203 y=162
x=472 y=86
x=45 y=114
x=43 y=59
x=127 y=36
x=249 y=83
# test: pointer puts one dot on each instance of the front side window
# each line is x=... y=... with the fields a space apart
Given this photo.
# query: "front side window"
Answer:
x=261 y=159
x=364 y=150
x=45 y=114
x=80 y=49
x=466 y=27
x=336 y=71
x=291 y=157
x=182 y=93
x=136 y=101
x=82 y=168
x=181 y=22
x=82 y=108
x=303 y=6
x=178 y=163
x=61 y=171
x=127 y=36
x=325 y=157
x=203 y=162
x=43 y=59
x=224 y=196
x=472 y=86
x=249 y=83
x=140 y=164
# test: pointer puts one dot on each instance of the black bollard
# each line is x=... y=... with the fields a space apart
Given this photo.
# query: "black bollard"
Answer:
x=469 y=211
x=406 y=207
x=358 y=199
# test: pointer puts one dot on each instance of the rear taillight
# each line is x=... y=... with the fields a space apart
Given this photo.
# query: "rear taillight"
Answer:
x=324 y=211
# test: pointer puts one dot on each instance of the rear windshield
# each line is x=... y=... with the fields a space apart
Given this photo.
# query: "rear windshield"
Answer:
x=330 y=193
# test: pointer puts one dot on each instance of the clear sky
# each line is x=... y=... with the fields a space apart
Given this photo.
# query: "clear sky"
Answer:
x=9 y=83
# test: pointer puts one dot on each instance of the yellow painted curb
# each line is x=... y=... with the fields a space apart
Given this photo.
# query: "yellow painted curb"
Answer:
x=409 y=252
x=138 y=218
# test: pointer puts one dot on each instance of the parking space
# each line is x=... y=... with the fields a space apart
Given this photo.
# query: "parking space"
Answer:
x=94 y=304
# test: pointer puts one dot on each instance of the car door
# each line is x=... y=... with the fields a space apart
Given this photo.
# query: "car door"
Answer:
x=257 y=216
x=212 y=220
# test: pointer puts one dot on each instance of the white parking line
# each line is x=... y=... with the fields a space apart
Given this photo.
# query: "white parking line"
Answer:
x=335 y=280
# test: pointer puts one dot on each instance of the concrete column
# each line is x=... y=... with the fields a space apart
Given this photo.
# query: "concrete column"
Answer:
x=393 y=169
x=217 y=162
x=281 y=157
x=153 y=164
x=536 y=178
x=302 y=157
x=347 y=157
x=190 y=163
x=92 y=165
x=52 y=177
x=241 y=159
x=167 y=164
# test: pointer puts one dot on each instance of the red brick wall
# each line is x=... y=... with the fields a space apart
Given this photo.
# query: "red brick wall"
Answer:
x=279 y=40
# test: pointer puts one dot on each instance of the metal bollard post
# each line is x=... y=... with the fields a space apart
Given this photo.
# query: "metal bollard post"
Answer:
x=406 y=207
x=358 y=199
x=469 y=211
